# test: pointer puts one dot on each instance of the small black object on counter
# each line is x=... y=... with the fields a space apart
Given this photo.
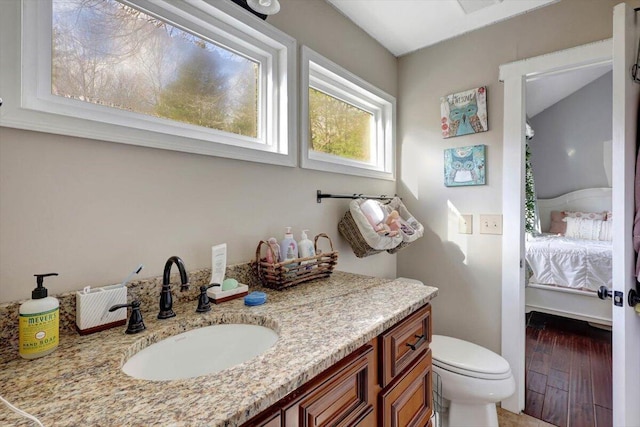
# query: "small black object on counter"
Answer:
x=136 y=323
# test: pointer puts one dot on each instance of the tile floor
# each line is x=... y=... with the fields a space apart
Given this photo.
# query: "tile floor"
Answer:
x=509 y=419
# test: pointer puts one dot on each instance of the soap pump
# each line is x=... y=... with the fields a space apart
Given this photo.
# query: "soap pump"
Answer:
x=39 y=323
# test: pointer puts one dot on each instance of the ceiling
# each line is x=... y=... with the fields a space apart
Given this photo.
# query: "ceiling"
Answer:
x=403 y=26
x=547 y=90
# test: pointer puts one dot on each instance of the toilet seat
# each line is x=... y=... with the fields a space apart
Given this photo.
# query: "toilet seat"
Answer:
x=468 y=359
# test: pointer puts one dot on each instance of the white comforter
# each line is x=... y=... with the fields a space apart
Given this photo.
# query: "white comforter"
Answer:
x=573 y=263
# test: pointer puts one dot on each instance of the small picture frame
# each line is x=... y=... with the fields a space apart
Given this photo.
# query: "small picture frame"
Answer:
x=464 y=113
x=465 y=166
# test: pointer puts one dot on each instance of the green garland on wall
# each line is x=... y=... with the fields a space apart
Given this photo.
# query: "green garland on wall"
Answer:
x=530 y=215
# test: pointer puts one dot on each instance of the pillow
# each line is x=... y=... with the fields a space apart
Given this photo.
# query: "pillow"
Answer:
x=558 y=226
x=605 y=231
x=601 y=216
x=589 y=229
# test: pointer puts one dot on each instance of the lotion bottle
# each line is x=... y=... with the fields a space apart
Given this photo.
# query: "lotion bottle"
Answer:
x=288 y=246
x=306 y=249
x=305 y=246
x=39 y=322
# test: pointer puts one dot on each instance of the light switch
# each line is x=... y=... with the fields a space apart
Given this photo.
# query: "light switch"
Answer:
x=465 y=224
x=490 y=224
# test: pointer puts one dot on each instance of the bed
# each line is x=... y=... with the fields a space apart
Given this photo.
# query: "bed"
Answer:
x=565 y=273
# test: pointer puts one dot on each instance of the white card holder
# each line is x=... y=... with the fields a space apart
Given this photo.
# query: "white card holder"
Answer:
x=92 y=308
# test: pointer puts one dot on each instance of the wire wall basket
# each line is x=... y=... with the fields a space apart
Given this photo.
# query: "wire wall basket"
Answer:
x=436 y=419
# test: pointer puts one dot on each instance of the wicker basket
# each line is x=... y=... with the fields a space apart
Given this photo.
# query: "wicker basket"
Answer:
x=399 y=247
x=353 y=231
x=349 y=230
x=293 y=272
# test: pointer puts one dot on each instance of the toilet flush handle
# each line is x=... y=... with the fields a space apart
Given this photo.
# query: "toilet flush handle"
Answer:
x=421 y=339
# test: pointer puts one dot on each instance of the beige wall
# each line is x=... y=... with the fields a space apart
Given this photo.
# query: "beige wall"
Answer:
x=467 y=268
x=93 y=210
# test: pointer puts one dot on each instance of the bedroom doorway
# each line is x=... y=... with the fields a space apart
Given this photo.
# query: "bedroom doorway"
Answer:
x=568 y=379
x=621 y=50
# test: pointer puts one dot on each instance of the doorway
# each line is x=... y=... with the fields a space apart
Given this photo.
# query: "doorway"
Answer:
x=622 y=50
x=514 y=76
x=568 y=378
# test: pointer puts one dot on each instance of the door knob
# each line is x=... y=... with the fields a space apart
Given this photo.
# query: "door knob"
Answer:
x=604 y=292
x=633 y=298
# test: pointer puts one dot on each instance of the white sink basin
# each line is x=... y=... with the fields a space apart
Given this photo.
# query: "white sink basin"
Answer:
x=200 y=351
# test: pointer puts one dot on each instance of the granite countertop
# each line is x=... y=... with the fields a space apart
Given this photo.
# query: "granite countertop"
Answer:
x=318 y=324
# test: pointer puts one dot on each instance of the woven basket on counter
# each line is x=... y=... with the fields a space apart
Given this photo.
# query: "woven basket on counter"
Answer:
x=293 y=272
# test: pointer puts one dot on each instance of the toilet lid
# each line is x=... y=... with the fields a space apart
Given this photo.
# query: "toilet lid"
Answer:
x=467 y=358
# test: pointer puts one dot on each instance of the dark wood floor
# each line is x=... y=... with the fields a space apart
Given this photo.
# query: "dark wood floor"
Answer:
x=568 y=372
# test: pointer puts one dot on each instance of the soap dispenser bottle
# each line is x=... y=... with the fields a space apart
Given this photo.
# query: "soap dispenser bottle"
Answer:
x=305 y=246
x=39 y=322
x=288 y=246
x=306 y=249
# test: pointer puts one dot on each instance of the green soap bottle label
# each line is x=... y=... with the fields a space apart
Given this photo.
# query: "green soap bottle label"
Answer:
x=39 y=331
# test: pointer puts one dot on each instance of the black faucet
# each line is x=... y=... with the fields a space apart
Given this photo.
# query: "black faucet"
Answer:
x=166 y=301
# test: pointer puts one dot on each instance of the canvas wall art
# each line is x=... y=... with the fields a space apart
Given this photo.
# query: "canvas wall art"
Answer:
x=465 y=166
x=464 y=113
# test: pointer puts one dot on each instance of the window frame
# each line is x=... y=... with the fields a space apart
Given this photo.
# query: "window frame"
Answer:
x=326 y=76
x=29 y=104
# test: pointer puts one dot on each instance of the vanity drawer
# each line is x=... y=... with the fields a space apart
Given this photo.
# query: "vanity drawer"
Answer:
x=403 y=343
x=408 y=401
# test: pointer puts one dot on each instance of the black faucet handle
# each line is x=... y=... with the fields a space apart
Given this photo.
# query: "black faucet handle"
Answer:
x=136 y=324
x=204 y=304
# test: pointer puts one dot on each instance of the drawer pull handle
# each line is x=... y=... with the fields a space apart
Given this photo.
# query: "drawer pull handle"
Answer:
x=421 y=339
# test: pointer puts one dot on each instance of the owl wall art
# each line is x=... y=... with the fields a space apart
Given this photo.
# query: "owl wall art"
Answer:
x=464 y=113
x=464 y=166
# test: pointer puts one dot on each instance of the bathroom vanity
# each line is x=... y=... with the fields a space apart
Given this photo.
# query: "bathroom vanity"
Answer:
x=351 y=350
x=386 y=382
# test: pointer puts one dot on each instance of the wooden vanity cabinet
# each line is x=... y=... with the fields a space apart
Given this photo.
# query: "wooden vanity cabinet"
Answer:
x=403 y=343
x=408 y=402
x=342 y=396
x=385 y=383
x=269 y=418
x=405 y=372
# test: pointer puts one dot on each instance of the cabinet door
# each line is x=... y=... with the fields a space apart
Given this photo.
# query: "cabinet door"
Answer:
x=344 y=397
x=403 y=343
x=275 y=421
x=408 y=401
x=269 y=418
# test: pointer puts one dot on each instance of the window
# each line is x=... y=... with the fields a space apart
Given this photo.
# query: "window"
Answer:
x=202 y=76
x=347 y=124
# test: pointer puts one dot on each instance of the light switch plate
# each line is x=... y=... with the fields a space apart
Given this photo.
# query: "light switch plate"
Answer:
x=490 y=224
x=465 y=224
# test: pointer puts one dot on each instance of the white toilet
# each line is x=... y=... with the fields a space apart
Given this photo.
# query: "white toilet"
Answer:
x=473 y=379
